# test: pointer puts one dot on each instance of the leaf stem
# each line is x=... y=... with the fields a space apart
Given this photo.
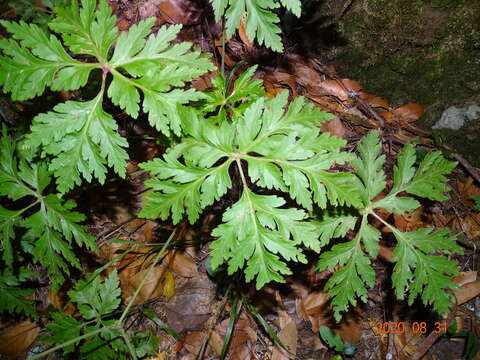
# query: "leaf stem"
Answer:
x=69 y=342
x=120 y=321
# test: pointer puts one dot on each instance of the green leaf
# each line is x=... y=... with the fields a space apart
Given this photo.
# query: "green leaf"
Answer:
x=156 y=67
x=417 y=271
x=430 y=180
x=80 y=148
x=332 y=339
x=368 y=166
x=334 y=226
x=37 y=61
x=261 y=22
x=190 y=189
x=348 y=283
x=63 y=328
x=13 y=293
x=476 y=198
x=86 y=30
x=255 y=229
x=94 y=299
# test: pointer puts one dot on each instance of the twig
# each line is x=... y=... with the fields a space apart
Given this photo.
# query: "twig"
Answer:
x=432 y=337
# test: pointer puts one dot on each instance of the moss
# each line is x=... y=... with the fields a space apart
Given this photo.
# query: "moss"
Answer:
x=425 y=51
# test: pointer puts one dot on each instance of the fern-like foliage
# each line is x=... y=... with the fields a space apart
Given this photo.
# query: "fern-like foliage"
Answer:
x=50 y=226
x=14 y=293
x=261 y=22
x=476 y=198
x=267 y=145
x=96 y=302
x=419 y=267
x=80 y=136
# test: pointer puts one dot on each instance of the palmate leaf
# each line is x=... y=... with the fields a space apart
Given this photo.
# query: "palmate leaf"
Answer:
x=276 y=148
x=82 y=147
x=155 y=67
x=80 y=136
x=417 y=270
x=261 y=22
x=94 y=299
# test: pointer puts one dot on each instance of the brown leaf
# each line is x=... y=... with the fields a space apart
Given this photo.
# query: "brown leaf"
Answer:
x=16 y=340
x=288 y=336
x=181 y=264
x=180 y=11
x=465 y=277
x=335 y=127
x=243 y=34
x=374 y=100
x=242 y=340
x=467 y=292
x=409 y=112
x=340 y=88
x=160 y=282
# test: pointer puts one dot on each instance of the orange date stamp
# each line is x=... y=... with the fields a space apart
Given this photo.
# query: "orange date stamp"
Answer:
x=417 y=327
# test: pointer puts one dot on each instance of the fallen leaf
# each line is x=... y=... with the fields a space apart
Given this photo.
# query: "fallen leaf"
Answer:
x=465 y=277
x=160 y=282
x=243 y=34
x=467 y=292
x=374 y=100
x=335 y=127
x=409 y=112
x=288 y=336
x=16 y=340
x=181 y=264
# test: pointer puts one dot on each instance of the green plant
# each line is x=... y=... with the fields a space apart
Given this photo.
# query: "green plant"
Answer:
x=293 y=197
x=49 y=227
x=97 y=303
x=261 y=22
x=34 y=60
x=334 y=341
x=265 y=147
x=476 y=198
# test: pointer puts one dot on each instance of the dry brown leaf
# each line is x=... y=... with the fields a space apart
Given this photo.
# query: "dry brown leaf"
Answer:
x=410 y=220
x=244 y=337
x=61 y=302
x=409 y=112
x=243 y=34
x=374 y=100
x=335 y=127
x=160 y=282
x=467 y=292
x=288 y=336
x=386 y=253
x=16 y=340
x=180 y=11
x=465 y=277
x=341 y=88
x=181 y=264
x=193 y=342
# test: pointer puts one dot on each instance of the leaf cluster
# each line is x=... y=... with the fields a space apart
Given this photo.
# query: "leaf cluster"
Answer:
x=420 y=268
x=138 y=62
x=261 y=22
x=266 y=146
x=97 y=303
x=36 y=221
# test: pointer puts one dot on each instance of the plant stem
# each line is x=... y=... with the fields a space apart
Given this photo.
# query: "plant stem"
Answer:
x=222 y=68
x=144 y=280
x=129 y=343
x=71 y=341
